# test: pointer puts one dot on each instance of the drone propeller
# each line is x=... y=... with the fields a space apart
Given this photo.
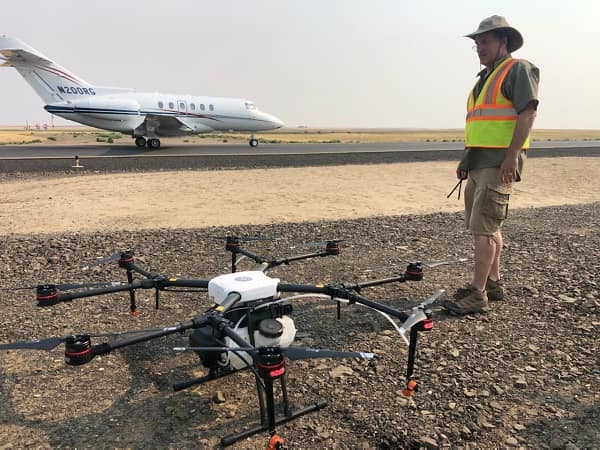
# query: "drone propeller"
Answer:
x=292 y=353
x=441 y=262
x=67 y=286
x=107 y=260
x=317 y=243
x=429 y=300
x=232 y=237
x=50 y=343
x=428 y=263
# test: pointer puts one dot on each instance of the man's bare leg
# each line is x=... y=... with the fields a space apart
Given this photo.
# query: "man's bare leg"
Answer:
x=485 y=254
x=495 y=269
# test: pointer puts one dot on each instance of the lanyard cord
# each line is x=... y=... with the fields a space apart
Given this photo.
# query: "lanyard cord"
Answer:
x=459 y=186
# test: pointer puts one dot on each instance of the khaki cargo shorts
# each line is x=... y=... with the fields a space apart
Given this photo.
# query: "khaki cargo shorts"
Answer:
x=486 y=201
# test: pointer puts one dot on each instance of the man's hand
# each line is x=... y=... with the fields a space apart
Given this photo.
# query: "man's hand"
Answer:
x=461 y=174
x=508 y=169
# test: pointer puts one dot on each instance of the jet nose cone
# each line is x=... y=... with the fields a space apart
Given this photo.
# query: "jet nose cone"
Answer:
x=277 y=123
x=273 y=121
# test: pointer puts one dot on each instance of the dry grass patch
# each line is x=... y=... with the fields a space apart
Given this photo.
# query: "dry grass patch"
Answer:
x=86 y=135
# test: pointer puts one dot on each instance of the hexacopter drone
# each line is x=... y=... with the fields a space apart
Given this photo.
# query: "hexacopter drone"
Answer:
x=250 y=325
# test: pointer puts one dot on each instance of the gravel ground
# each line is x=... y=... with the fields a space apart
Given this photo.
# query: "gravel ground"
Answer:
x=526 y=374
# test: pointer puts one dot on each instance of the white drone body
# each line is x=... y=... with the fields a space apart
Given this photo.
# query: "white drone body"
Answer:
x=252 y=286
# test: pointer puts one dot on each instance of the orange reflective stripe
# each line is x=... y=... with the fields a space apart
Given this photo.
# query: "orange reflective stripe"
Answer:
x=490 y=118
x=492 y=106
x=492 y=112
x=500 y=80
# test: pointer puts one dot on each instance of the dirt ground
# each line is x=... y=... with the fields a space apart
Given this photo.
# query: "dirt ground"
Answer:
x=196 y=199
x=526 y=375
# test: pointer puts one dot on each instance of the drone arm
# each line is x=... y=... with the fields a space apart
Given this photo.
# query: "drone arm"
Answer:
x=68 y=296
x=278 y=262
x=75 y=356
x=106 y=347
x=134 y=268
x=397 y=279
x=249 y=254
x=341 y=292
x=182 y=282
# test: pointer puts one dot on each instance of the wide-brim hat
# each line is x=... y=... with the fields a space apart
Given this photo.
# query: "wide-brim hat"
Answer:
x=499 y=23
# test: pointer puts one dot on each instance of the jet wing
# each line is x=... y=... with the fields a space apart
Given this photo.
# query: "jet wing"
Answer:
x=162 y=125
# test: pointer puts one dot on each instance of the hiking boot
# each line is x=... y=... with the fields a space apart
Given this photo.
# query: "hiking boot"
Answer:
x=462 y=292
x=472 y=302
x=494 y=289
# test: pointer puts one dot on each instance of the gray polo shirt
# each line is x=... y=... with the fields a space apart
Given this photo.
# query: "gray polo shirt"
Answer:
x=521 y=87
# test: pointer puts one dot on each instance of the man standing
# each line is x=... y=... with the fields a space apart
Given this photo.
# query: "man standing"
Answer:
x=501 y=109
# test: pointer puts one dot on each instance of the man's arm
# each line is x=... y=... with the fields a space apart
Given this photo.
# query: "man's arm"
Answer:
x=508 y=169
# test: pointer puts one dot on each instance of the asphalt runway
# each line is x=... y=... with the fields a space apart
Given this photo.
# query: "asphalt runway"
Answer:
x=106 y=158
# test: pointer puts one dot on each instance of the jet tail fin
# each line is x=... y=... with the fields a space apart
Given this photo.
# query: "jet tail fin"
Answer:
x=51 y=82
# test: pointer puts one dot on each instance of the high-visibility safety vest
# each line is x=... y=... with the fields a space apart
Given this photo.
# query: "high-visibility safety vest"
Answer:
x=491 y=118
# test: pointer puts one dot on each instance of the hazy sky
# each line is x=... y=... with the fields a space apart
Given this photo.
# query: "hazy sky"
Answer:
x=336 y=63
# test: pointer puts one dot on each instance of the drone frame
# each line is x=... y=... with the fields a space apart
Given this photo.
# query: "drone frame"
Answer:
x=269 y=361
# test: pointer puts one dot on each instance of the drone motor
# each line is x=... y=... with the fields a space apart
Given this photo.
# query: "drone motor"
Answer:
x=78 y=350
x=47 y=295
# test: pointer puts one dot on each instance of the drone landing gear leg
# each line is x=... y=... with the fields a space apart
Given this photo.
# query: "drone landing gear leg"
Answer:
x=132 y=306
x=233 y=438
x=411 y=384
x=270 y=368
x=212 y=375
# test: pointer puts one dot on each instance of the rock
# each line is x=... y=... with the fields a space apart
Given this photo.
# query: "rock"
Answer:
x=469 y=393
x=219 y=397
x=567 y=299
x=495 y=405
x=497 y=390
x=465 y=432
x=483 y=422
x=427 y=442
x=340 y=371
x=520 y=382
x=511 y=441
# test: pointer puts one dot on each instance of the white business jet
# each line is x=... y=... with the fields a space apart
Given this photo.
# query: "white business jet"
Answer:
x=141 y=115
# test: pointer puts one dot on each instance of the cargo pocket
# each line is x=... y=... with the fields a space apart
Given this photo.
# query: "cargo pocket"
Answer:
x=496 y=201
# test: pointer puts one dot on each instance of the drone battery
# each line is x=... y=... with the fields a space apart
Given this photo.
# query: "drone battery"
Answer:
x=251 y=285
x=78 y=350
x=205 y=337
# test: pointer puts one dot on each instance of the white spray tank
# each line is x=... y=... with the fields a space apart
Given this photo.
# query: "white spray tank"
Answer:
x=271 y=332
x=252 y=285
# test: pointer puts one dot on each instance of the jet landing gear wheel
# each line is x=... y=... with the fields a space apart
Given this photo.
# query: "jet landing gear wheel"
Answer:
x=140 y=141
x=253 y=142
x=154 y=143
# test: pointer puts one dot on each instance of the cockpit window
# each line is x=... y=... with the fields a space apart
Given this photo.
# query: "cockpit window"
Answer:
x=250 y=106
